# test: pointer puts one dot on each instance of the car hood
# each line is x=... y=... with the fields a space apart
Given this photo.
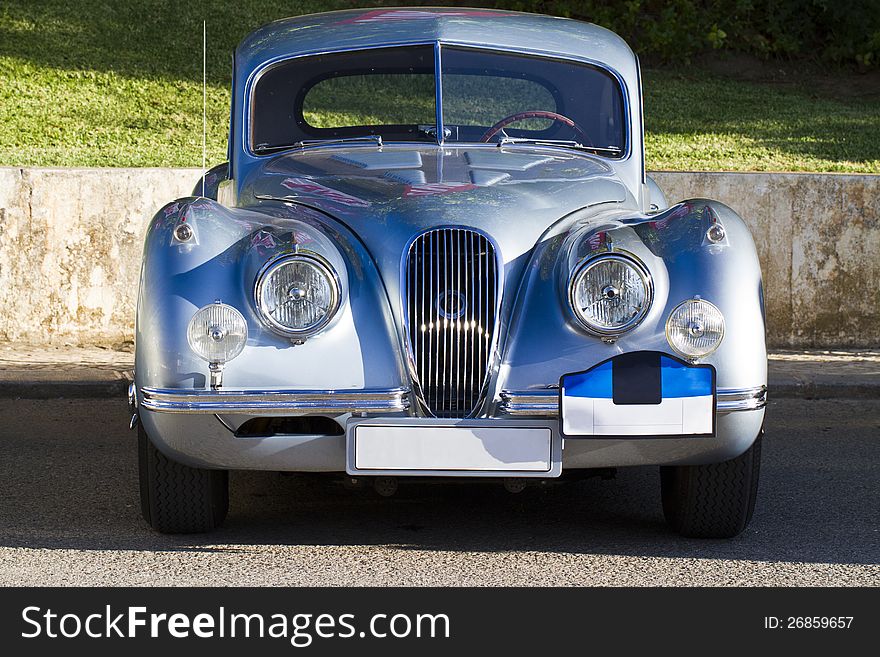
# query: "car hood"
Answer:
x=389 y=196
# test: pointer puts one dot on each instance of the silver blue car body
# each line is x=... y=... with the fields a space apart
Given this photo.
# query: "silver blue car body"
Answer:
x=531 y=214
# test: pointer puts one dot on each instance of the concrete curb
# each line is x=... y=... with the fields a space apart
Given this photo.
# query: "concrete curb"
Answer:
x=818 y=390
x=64 y=389
x=94 y=373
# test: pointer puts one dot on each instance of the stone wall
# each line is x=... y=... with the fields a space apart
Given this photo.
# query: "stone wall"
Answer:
x=70 y=247
x=70 y=250
x=818 y=238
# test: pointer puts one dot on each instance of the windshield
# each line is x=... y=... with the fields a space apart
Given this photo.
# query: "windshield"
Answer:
x=487 y=96
x=384 y=91
x=490 y=95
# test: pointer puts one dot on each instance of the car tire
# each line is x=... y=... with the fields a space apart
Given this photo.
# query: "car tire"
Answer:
x=715 y=500
x=176 y=498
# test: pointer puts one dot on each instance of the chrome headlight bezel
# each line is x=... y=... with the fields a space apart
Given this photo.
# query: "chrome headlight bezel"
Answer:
x=593 y=261
x=324 y=267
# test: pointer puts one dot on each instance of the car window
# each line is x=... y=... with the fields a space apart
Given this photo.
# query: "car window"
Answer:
x=482 y=100
x=382 y=91
x=484 y=90
x=370 y=100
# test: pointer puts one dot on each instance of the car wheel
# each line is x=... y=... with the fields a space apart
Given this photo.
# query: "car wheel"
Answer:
x=714 y=500
x=178 y=499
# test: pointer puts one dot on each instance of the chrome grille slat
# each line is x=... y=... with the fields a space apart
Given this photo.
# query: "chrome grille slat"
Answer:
x=435 y=272
x=444 y=284
x=474 y=290
x=451 y=299
x=422 y=322
x=459 y=336
x=482 y=315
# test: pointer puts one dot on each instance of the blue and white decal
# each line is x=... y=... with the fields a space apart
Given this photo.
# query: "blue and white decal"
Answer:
x=643 y=393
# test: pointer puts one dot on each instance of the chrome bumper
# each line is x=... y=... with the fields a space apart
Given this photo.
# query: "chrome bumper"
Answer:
x=534 y=403
x=545 y=403
x=274 y=402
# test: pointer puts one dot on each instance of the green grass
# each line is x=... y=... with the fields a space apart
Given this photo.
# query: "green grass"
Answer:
x=371 y=100
x=409 y=99
x=703 y=122
x=110 y=83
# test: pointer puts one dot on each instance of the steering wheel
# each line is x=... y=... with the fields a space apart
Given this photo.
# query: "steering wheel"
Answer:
x=534 y=114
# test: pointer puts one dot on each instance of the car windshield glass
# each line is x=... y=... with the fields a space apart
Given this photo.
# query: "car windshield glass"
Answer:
x=488 y=96
x=391 y=93
x=385 y=91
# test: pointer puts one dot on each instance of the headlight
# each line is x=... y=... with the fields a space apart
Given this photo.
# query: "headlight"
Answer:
x=297 y=295
x=695 y=328
x=217 y=333
x=610 y=294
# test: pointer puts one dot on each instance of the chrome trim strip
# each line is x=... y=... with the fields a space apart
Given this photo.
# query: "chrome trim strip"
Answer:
x=132 y=397
x=438 y=94
x=741 y=399
x=544 y=403
x=641 y=117
x=271 y=402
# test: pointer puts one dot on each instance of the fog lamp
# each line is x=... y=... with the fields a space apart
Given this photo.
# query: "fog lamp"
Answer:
x=217 y=333
x=695 y=328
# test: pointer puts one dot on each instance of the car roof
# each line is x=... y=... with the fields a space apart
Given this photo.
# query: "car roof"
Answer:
x=488 y=28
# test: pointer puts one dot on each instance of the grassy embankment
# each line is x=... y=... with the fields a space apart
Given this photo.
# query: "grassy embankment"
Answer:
x=119 y=84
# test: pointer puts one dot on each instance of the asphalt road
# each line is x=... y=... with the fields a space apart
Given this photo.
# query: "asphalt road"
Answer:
x=69 y=516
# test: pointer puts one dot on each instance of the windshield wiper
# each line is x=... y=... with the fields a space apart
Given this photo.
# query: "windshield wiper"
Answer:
x=599 y=150
x=306 y=143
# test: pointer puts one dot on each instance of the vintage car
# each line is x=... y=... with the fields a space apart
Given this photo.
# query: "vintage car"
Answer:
x=434 y=252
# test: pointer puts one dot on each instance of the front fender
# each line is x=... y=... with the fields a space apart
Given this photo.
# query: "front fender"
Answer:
x=359 y=349
x=545 y=341
x=208 y=185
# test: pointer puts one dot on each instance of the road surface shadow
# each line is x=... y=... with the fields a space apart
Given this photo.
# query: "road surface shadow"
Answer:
x=68 y=479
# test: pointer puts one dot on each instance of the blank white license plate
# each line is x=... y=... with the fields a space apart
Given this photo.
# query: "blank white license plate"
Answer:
x=439 y=449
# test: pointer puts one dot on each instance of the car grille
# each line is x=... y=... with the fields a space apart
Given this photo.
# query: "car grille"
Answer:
x=451 y=295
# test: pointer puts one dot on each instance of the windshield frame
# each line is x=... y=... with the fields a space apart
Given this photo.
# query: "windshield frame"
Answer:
x=255 y=76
